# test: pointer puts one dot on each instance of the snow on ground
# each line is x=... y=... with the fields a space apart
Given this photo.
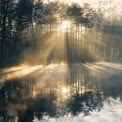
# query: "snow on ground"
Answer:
x=111 y=112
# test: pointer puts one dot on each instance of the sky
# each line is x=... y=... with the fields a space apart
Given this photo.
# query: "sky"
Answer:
x=109 y=7
x=78 y=1
x=92 y=2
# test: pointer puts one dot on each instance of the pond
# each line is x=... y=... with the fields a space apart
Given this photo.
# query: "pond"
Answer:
x=61 y=93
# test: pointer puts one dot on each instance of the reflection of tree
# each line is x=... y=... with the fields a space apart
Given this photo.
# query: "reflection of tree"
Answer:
x=45 y=105
x=42 y=105
x=17 y=96
x=85 y=103
x=26 y=116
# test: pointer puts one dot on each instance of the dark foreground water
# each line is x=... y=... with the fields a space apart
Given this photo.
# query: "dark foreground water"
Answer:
x=61 y=93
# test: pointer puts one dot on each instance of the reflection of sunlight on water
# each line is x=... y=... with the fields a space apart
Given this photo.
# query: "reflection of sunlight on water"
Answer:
x=63 y=93
x=82 y=77
x=34 y=93
x=49 y=75
x=64 y=90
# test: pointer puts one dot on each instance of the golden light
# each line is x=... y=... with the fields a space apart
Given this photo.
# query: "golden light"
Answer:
x=65 y=90
x=65 y=24
x=34 y=94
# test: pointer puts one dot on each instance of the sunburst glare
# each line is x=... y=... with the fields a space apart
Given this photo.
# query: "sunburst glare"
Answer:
x=65 y=90
x=64 y=25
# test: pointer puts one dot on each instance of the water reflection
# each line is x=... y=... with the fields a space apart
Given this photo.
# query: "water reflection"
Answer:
x=57 y=90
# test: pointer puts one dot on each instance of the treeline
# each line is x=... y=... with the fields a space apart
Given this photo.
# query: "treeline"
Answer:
x=17 y=15
x=11 y=12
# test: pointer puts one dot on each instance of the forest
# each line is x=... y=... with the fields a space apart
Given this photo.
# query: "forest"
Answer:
x=27 y=25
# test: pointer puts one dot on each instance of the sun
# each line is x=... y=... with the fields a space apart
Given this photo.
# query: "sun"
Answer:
x=64 y=25
x=65 y=90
